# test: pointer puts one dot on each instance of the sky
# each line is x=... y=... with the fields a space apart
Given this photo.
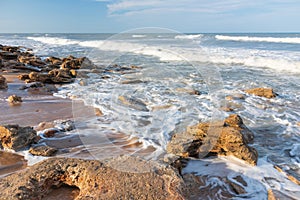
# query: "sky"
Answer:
x=113 y=16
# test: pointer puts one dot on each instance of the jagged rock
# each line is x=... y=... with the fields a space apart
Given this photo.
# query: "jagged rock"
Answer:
x=65 y=73
x=39 y=77
x=31 y=60
x=8 y=56
x=16 y=137
x=53 y=60
x=23 y=77
x=98 y=112
x=61 y=76
x=3 y=83
x=94 y=179
x=14 y=99
x=72 y=62
x=233 y=139
x=262 y=92
x=42 y=150
x=10 y=48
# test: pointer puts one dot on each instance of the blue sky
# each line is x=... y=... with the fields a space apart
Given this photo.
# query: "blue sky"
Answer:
x=111 y=16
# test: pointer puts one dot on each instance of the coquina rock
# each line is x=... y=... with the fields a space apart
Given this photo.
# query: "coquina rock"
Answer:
x=231 y=137
x=94 y=179
x=3 y=83
x=262 y=92
x=16 y=137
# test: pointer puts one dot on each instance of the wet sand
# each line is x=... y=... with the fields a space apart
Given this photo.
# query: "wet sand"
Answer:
x=37 y=106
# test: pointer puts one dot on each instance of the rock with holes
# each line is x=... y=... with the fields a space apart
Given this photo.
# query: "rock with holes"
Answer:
x=16 y=137
x=229 y=137
x=94 y=179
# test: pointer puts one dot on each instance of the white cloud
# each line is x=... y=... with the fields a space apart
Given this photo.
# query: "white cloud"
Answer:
x=130 y=7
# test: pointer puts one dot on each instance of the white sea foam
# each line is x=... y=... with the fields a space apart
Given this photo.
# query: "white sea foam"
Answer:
x=257 y=177
x=139 y=36
x=292 y=40
x=189 y=37
x=279 y=60
x=53 y=40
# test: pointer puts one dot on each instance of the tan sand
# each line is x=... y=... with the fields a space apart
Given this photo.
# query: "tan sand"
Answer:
x=35 y=108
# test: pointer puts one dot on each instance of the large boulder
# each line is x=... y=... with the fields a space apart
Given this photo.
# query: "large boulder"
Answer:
x=262 y=92
x=3 y=83
x=16 y=137
x=233 y=140
x=94 y=179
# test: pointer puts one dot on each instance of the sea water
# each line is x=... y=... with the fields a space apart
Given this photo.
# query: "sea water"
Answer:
x=170 y=65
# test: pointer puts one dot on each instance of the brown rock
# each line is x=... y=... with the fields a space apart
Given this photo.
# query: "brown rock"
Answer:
x=16 y=137
x=42 y=150
x=3 y=83
x=14 y=99
x=98 y=112
x=72 y=63
x=262 y=92
x=39 y=77
x=94 y=179
x=233 y=139
x=31 y=60
x=8 y=56
x=23 y=77
x=54 y=60
x=73 y=73
x=61 y=76
x=50 y=132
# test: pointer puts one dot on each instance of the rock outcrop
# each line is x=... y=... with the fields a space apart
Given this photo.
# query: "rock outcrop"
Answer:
x=94 y=179
x=16 y=137
x=262 y=92
x=233 y=140
x=3 y=83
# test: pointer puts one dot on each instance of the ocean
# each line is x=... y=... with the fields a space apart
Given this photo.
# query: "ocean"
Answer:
x=171 y=66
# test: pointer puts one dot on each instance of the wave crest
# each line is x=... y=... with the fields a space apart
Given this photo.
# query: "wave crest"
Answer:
x=292 y=40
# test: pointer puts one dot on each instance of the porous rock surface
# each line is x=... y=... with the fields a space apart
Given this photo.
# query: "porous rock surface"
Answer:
x=229 y=137
x=94 y=179
x=16 y=137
